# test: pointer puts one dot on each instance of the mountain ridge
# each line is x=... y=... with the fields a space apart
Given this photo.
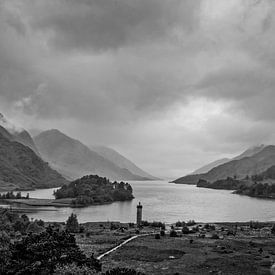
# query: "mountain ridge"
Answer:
x=120 y=160
x=74 y=159
x=21 y=168
x=248 y=165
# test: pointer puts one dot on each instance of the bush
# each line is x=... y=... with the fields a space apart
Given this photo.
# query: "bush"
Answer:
x=173 y=233
x=185 y=230
x=157 y=236
x=35 y=228
x=114 y=226
x=215 y=236
x=40 y=254
x=162 y=233
x=273 y=229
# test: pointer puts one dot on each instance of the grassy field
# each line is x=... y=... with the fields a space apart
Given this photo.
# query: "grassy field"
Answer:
x=250 y=251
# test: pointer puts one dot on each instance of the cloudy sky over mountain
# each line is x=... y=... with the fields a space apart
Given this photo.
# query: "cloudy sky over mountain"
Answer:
x=170 y=84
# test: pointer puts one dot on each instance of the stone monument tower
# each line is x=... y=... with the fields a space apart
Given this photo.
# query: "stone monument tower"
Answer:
x=139 y=214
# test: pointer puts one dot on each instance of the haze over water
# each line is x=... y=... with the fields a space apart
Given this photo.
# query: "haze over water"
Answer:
x=167 y=202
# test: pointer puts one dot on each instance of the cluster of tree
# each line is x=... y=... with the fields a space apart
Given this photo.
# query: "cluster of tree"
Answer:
x=153 y=224
x=93 y=190
x=31 y=247
x=263 y=190
x=183 y=223
x=11 y=195
x=15 y=225
x=227 y=184
x=41 y=253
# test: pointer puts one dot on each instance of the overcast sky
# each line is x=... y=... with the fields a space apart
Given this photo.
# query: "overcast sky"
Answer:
x=170 y=84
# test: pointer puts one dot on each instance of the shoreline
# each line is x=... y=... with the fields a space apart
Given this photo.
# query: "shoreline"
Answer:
x=67 y=202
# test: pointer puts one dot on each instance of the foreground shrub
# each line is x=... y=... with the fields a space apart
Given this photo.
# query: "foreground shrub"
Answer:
x=123 y=271
x=40 y=254
x=185 y=230
x=157 y=236
x=215 y=236
x=173 y=233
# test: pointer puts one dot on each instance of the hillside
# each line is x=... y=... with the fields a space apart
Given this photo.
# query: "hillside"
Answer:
x=21 y=168
x=120 y=161
x=261 y=185
x=208 y=167
x=250 y=151
x=17 y=134
x=238 y=168
x=73 y=159
x=25 y=138
x=247 y=153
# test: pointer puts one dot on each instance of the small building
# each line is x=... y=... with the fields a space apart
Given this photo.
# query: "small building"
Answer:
x=139 y=214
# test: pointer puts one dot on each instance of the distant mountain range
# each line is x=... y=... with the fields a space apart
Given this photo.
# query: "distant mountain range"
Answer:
x=247 y=153
x=52 y=158
x=253 y=161
x=208 y=167
x=73 y=159
x=21 y=168
x=18 y=134
x=121 y=161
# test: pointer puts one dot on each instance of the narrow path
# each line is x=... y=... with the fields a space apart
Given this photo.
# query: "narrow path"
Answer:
x=122 y=244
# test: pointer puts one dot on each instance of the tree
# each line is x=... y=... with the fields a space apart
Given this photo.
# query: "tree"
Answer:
x=41 y=253
x=72 y=224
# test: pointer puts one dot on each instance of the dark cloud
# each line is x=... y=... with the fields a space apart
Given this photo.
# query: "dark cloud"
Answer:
x=103 y=24
x=188 y=80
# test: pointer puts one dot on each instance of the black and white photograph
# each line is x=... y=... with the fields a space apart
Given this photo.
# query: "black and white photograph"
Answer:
x=137 y=137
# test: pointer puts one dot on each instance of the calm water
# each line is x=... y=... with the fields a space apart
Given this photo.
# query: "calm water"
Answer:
x=163 y=201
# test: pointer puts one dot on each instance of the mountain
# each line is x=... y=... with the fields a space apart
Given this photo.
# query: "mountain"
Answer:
x=208 y=167
x=247 y=153
x=261 y=185
x=251 y=151
x=25 y=138
x=120 y=161
x=238 y=168
x=18 y=134
x=73 y=159
x=21 y=168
